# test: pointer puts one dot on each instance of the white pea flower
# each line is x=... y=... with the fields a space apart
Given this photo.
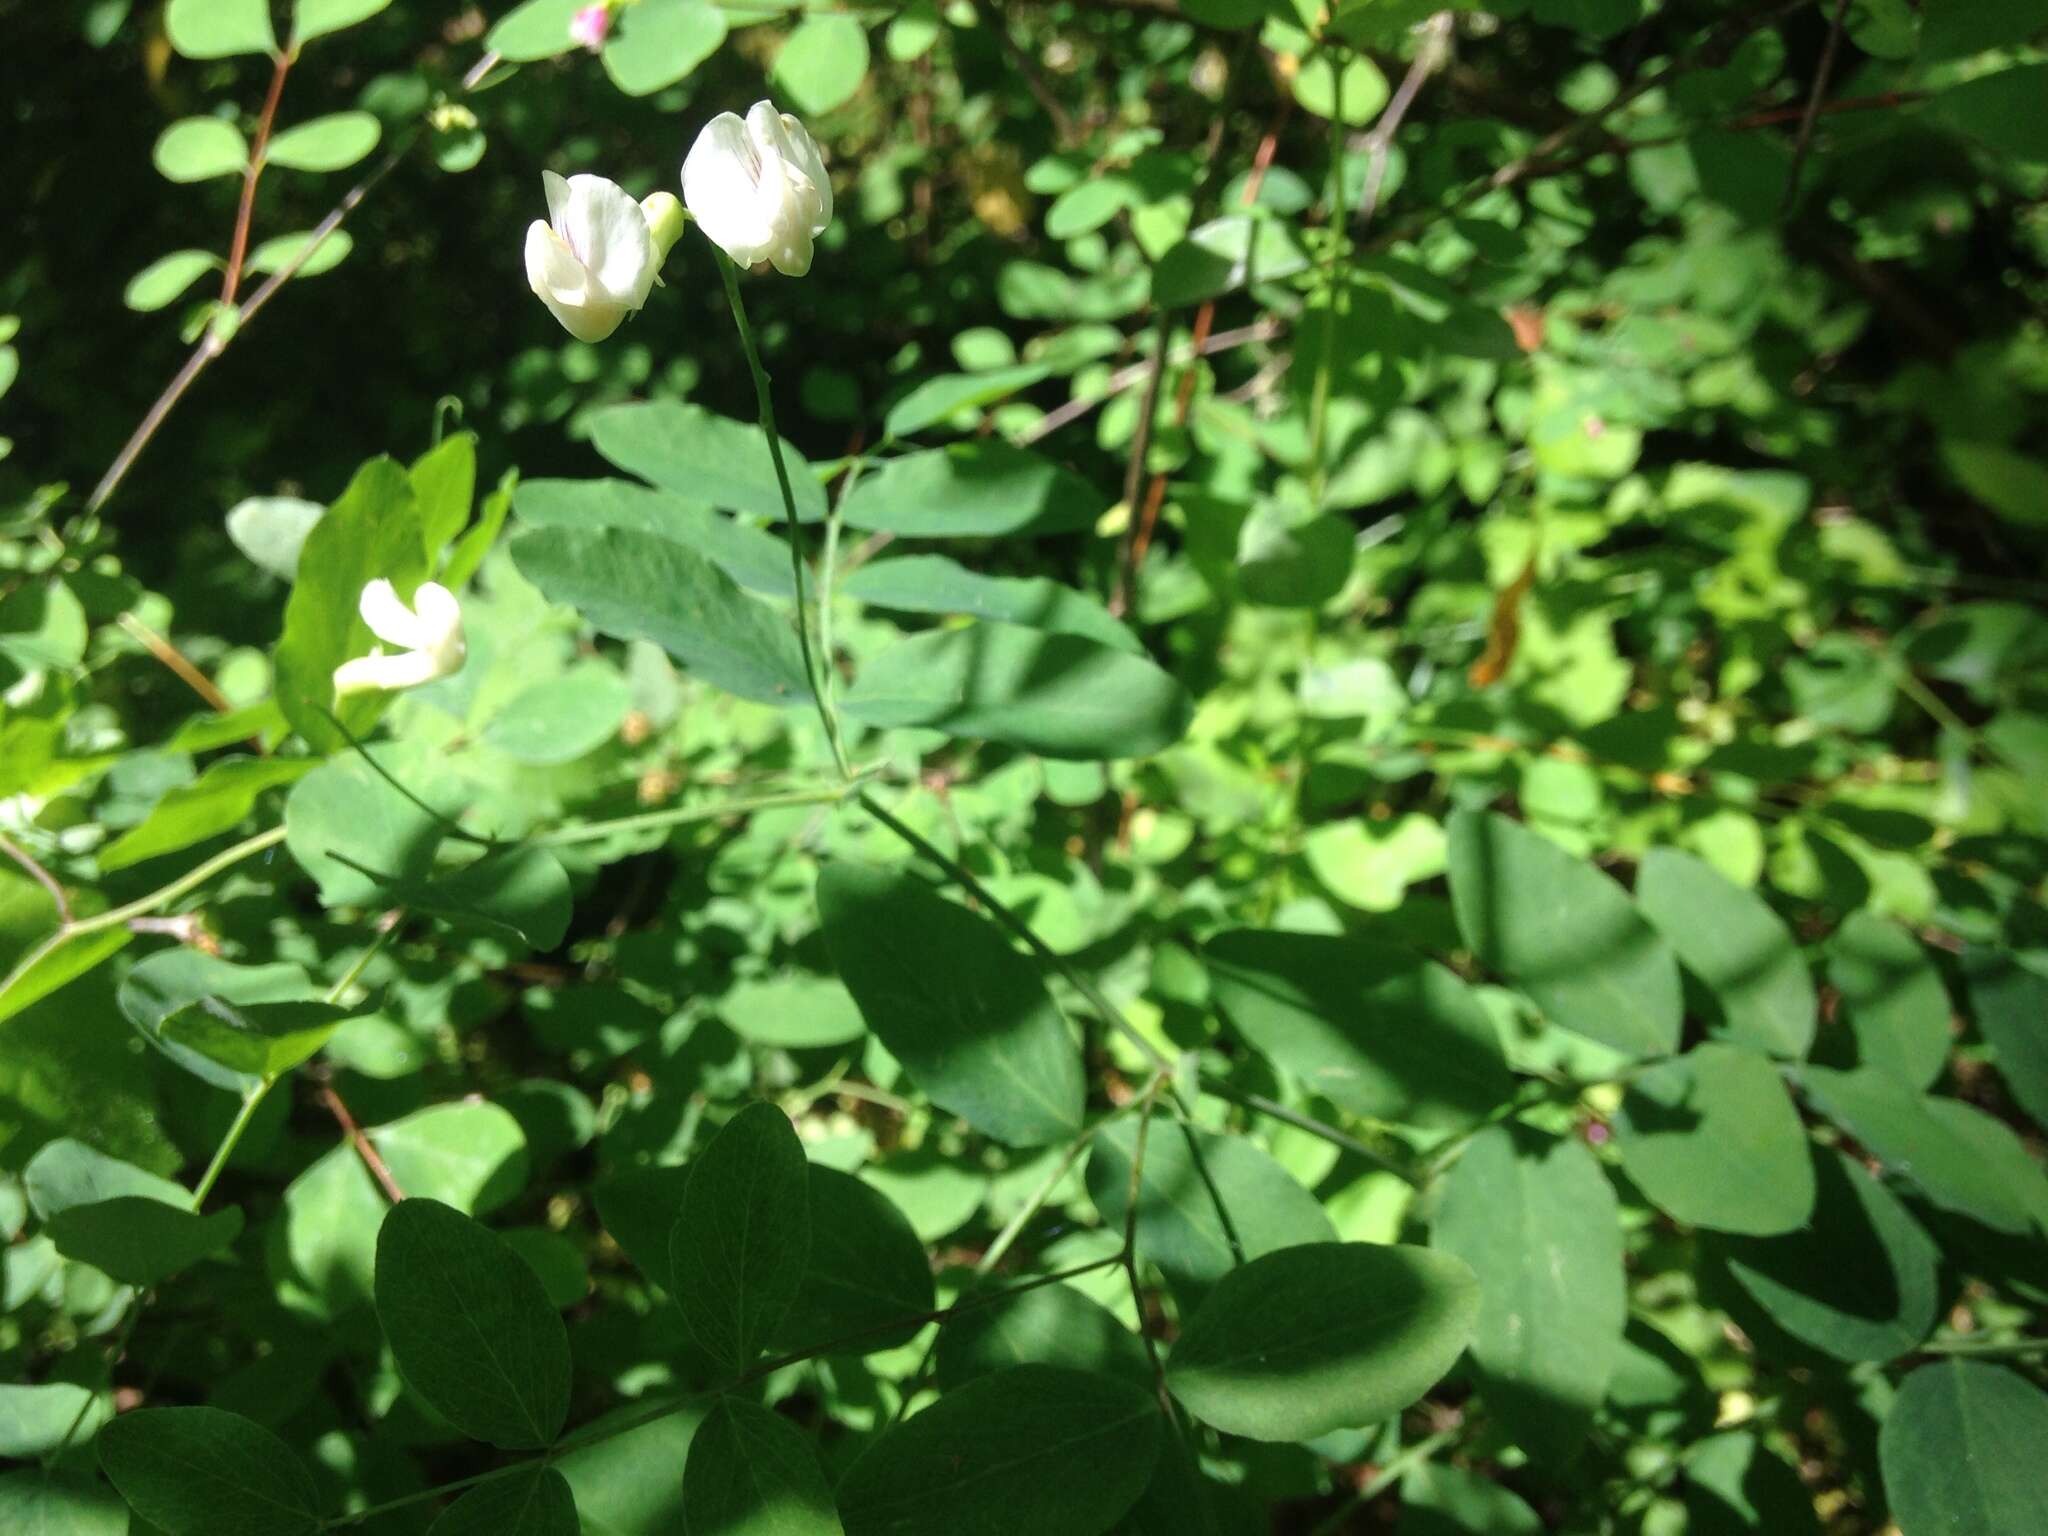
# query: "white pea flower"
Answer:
x=595 y=260
x=757 y=186
x=428 y=636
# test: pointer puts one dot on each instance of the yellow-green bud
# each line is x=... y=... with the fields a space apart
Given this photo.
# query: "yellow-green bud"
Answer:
x=665 y=220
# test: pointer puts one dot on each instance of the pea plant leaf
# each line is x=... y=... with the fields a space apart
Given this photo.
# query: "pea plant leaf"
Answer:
x=1051 y=1449
x=945 y=991
x=739 y=1249
x=752 y=1473
x=471 y=1327
x=195 y=1471
x=1538 y=1224
x=1058 y=695
x=1321 y=1337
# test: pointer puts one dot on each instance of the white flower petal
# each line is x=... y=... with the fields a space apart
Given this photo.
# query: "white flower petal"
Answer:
x=557 y=191
x=722 y=190
x=551 y=269
x=389 y=619
x=408 y=669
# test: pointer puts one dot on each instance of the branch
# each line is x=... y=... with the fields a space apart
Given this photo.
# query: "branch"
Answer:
x=238 y=248
x=40 y=875
x=1804 y=146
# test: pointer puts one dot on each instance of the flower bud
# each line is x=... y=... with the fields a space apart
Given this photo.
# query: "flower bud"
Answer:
x=428 y=636
x=665 y=221
x=759 y=189
x=593 y=262
x=590 y=25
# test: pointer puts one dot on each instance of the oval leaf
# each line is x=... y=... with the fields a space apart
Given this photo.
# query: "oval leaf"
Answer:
x=217 y=29
x=972 y=490
x=1736 y=945
x=199 y=148
x=752 y=1473
x=968 y=1016
x=1564 y=933
x=1034 y=1448
x=636 y=586
x=686 y=449
x=1372 y=1027
x=1322 y=1337
x=739 y=1249
x=867 y=1284
x=533 y=1501
x=1714 y=1141
x=202 y=1472
x=471 y=1326
x=1537 y=1221
x=1858 y=1282
x=1962 y=1451
x=331 y=143
x=1057 y=695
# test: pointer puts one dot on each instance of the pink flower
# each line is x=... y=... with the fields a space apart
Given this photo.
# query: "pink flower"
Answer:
x=589 y=26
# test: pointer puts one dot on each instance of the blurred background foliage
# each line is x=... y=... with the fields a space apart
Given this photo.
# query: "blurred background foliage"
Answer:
x=1659 y=456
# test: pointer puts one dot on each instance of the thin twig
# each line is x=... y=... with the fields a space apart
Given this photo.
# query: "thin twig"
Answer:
x=964 y=878
x=1431 y=51
x=1804 y=144
x=238 y=247
x=1027 y=69
x=40 y=875
x=174 y=658
x=1223 y=341
x=1130 y=1248
x=365 y=1149
x=1134 y=473
x=215 y=341
x=1533 y=162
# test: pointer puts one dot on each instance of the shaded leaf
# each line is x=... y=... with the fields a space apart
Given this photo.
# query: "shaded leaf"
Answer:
x=1713 y=1140
x=1322 y=1337
x=1372 y=1027
x=471 y=1327
x=966 y=1014
x=752 y=1473
x=1858 y=1282
x=1058 y=695
x=202 y=1472
x=1734 y=943
x=739 y=1249
x=1564 y=933
x=636 y=586
x=1537 y=1222
x=1033 y=1448
x=1962 y=1451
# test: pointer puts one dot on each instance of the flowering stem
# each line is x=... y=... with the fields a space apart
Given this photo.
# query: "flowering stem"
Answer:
x=796 y=533
x=828 y=576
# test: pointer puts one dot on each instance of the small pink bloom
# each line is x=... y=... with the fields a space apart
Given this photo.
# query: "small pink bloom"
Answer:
x=589 y=26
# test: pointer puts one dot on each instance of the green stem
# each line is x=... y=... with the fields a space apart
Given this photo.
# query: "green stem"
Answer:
x=1319 y=393
x=142 y=906
x=253 y=1100
x=1976 y=1346
x=1004 y=1241
x=1130 y=1245
x=191 y=880
x=1010 y=920
x=762 y=399
x=1402 y=1463
x=1272 y=1109
x=828 y=577
x=681 y=815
